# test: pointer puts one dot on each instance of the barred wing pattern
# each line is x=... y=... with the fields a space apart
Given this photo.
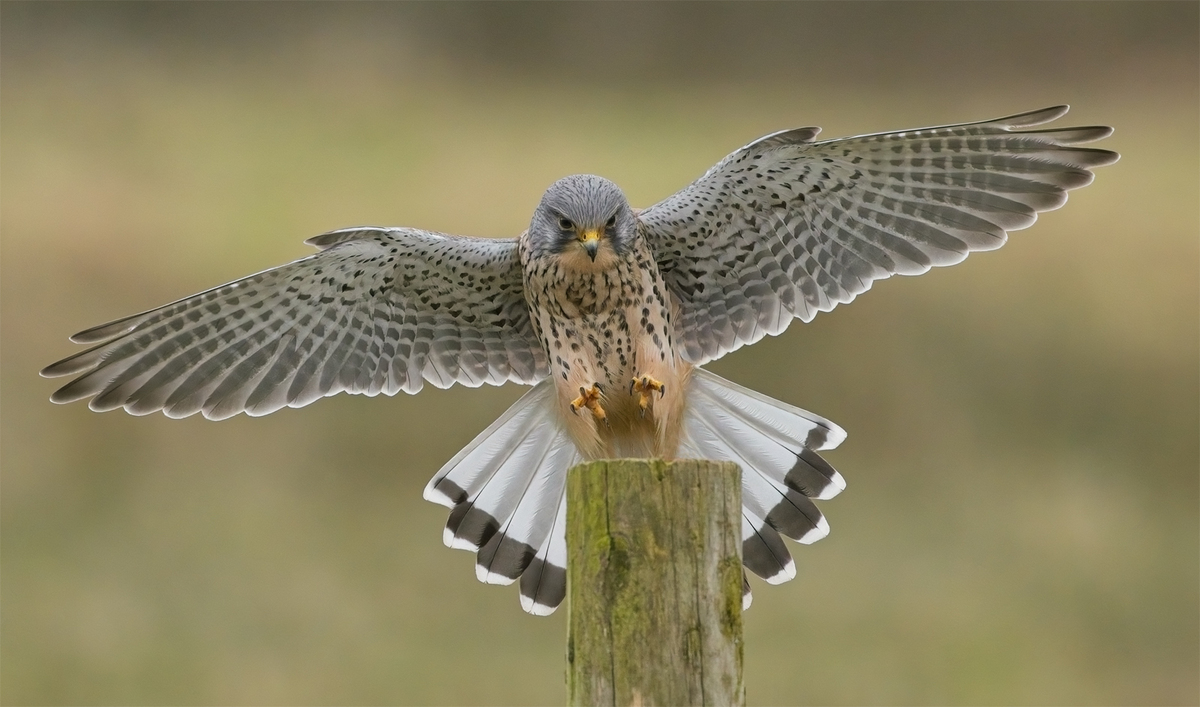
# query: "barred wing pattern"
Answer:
x=378 y=310
x=787 y=227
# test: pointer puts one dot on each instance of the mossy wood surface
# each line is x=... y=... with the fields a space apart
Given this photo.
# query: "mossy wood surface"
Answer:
x=654 y=583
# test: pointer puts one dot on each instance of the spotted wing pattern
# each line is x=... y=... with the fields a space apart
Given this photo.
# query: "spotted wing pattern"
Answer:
x=787 y=227
x=377 y=310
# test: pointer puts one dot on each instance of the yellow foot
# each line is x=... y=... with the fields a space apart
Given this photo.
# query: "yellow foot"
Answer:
x=590 y=399
x=644 y=386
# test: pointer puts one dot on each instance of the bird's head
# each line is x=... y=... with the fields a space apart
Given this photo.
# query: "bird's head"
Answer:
x=585 y=219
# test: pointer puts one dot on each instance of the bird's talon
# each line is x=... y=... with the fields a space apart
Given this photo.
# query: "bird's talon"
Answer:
x=644 y=386
x=590 y=399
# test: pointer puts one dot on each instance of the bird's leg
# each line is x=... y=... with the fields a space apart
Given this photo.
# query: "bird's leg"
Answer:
x=590 y=399
x=644 y=386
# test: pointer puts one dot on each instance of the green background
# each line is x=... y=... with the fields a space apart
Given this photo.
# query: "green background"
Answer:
x=1021 y=521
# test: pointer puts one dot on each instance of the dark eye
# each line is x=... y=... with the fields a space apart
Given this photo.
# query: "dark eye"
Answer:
x=612 y=221
x=565 y=224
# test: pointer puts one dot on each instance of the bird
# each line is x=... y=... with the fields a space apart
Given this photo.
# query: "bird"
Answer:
x=610 y=314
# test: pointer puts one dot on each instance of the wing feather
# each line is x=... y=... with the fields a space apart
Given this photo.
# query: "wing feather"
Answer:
x=376 y=310
x=787 y=227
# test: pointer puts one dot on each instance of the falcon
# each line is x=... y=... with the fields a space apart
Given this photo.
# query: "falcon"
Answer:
x=610 y=314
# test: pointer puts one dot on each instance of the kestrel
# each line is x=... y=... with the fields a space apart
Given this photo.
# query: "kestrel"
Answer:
x=609 y=313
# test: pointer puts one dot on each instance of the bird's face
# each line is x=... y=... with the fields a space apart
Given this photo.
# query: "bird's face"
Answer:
x=584 y=220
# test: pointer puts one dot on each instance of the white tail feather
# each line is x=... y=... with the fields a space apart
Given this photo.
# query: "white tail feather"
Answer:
x=506 y=489
x=773 y=442
x=479 y=461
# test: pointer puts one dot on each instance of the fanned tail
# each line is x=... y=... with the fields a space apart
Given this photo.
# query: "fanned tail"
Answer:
x=506 y=494
x=776 y=445
x=506 y=488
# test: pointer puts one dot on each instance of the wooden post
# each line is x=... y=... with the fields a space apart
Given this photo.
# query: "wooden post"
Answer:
x=654 y=583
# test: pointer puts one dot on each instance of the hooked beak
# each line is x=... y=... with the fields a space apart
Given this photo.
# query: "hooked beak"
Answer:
x=590 y=239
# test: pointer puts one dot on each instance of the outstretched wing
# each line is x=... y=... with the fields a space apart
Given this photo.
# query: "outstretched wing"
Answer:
x=378 y=310
x=787 y=227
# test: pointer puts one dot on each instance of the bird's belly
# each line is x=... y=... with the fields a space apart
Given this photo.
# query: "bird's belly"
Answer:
x=609 y=351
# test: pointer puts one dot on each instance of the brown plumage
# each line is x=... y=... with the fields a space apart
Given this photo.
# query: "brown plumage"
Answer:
x=605 y=323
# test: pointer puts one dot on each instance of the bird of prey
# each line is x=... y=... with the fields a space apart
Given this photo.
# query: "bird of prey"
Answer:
x=610 y=313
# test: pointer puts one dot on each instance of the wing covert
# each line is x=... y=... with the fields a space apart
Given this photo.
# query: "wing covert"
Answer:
x=786 y=227
x=377 y=310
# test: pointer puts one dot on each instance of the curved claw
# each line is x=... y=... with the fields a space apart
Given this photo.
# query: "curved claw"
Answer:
x=644 y=386
x=590 y=399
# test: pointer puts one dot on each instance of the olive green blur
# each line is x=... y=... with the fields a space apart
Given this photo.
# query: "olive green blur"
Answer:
x=1021 y=522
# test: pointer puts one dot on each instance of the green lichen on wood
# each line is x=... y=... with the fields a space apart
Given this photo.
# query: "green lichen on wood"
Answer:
x=731 y=584
x=654 y=583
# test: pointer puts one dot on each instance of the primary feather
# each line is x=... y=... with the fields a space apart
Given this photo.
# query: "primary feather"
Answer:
x=376 y=311
x=786 y=227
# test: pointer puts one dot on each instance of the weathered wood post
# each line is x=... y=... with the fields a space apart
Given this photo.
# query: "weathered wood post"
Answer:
x=654 y=583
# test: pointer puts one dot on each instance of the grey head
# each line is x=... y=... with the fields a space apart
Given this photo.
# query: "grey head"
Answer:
x=585 y=214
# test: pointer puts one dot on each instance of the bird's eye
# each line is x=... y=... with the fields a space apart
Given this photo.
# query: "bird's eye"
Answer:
x=565 y=224
x=612 y=221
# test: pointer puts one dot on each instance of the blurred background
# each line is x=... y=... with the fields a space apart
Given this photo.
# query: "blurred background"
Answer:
x=1021 y=523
